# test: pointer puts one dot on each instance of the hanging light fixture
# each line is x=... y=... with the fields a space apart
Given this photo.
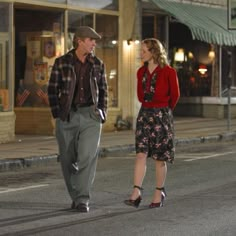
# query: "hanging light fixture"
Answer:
x=202 y=69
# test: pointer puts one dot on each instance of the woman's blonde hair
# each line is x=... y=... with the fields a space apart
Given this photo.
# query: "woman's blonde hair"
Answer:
x=157 y=50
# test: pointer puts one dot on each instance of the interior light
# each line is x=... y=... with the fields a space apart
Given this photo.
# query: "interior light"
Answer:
x=179 y=55
x=211 y=53
x=190 y=55
x=202 y=69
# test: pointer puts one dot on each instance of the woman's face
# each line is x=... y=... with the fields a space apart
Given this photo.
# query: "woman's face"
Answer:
x=146 y=55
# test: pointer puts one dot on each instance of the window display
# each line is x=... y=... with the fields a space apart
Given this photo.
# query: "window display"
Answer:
x=36 y=50
x=4 y=59
x=194 y=67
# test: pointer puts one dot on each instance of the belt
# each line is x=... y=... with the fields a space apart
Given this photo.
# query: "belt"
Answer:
x=75 y=107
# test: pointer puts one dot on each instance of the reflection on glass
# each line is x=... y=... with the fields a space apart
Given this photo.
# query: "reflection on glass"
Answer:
x=228 y=71
x=107 y=50
x=107 y=47
x=4 y=58
x=4 y=23
x=76 y=19
x=195 y=69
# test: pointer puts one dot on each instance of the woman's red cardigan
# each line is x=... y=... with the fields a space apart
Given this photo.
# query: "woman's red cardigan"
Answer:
x=166 y=90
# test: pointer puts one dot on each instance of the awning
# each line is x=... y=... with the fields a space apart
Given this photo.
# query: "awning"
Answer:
x=208 y=24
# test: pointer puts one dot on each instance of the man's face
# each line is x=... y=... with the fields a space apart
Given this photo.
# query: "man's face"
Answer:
x=87 y=45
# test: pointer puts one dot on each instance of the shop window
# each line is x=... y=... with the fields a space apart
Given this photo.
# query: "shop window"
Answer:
x=39 y=40
x=195 y=63
x=95 y=4
x=76 y=19
x=107 y=50
x=153 y=26
x=107 y=47
x=228 y=71
x=4 y=59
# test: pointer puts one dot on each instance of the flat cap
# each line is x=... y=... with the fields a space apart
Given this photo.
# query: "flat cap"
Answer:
x=87 y=32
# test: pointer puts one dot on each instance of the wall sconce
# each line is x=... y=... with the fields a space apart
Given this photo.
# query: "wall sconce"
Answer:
x=136 y=41
x=179 y=55
x=114 y=42
x=129 y=41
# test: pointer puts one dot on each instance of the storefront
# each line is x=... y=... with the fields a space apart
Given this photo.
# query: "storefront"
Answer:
x=34 y=33
x=202 y=50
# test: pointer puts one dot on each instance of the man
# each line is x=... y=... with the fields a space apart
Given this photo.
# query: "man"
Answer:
x=77 y=93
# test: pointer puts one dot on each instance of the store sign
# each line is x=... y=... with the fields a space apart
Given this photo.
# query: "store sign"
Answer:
x=232 y=14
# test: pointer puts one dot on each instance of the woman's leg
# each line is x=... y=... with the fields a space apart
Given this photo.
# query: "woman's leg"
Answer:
x=139 y=174
x=161 y=171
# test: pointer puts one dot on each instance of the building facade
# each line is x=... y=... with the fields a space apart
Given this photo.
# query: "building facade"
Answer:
x=201 y=48
x=34 y=33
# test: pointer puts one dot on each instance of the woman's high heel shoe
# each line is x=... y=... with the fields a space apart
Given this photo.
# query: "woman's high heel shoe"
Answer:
x=136 y=202
x=161 y=203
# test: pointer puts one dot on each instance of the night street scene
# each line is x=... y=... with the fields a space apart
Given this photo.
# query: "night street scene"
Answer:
x=89 y=89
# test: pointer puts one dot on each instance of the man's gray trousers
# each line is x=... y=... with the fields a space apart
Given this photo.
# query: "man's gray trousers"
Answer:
x=78 y=142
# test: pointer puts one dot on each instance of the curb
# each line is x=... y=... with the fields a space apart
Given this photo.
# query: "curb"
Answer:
x=224 y=137
x=13 y=164
x=120 y=150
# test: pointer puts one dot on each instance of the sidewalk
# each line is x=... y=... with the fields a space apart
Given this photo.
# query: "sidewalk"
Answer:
x=29 y=150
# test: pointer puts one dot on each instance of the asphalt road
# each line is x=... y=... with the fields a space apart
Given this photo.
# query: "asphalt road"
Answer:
x=201 y=188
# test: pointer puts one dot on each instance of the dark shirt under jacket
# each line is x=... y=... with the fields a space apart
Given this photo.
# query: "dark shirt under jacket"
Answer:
x=82 y=95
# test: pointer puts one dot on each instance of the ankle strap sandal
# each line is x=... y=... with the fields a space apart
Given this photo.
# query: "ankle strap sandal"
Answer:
x=163 y=196
x=138 y=187
x=163 y=191
x=136 y=202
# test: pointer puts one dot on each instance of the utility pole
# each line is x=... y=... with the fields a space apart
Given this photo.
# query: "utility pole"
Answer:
x=229 y=81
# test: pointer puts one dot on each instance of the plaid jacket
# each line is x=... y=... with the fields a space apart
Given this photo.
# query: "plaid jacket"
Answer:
x=62 y=83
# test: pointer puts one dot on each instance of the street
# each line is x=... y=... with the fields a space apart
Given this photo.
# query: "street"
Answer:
x=201 y=201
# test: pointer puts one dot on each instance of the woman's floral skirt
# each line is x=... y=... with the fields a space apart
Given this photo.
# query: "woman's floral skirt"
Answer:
x=155 y=133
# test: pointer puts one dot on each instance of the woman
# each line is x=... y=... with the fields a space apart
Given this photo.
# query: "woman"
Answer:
x=158 y=92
